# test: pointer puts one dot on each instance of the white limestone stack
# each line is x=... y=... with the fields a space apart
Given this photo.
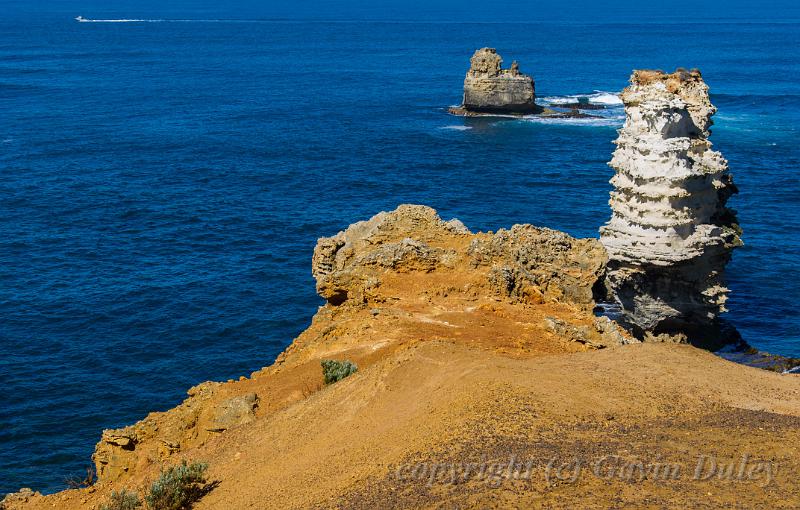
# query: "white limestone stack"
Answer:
x=670 y=234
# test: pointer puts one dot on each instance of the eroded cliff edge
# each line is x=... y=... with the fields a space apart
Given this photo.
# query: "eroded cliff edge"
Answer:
x=401 y=277
x=472 y=347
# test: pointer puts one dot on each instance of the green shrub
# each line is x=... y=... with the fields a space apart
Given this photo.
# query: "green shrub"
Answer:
x=178 y=487
x=123 y=500
x=335 y=371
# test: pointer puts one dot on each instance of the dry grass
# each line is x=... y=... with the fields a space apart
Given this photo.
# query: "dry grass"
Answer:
x=673 y=81
x=75 y=482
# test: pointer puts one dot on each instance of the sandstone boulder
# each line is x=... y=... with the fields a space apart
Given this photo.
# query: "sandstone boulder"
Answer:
x=233 y=412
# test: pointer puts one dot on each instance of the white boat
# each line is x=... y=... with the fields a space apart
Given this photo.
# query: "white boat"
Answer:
x=81 y=19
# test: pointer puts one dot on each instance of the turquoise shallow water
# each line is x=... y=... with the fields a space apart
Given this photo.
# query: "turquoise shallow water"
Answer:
x=164 y=183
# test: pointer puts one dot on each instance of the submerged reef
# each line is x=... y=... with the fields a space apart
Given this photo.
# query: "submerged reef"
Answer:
x=670 y=234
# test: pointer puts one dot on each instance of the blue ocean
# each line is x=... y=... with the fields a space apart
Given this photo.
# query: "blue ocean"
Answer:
x=163 y=180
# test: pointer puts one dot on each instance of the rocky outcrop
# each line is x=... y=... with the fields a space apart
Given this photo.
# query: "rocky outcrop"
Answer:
x=399 y=278
x=348 y=264
x=488 y=88
x=524 y=262
x=18 y=498
x=209 y=409
x=233 y=412
x=670 y=234
x=392 y=254
x=158 y=436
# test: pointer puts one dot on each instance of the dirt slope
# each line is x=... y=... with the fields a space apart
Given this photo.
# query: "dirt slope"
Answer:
x=441 y=402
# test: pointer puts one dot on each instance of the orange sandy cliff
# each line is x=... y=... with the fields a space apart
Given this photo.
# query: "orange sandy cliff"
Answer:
x=472 y=349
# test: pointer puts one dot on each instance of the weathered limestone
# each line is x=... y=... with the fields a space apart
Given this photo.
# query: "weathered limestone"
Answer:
x=208 y=410
x=490 y=89
x=520 y=262
x=670 y=234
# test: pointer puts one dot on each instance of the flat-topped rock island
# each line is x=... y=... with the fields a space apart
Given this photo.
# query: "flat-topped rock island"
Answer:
x=488 y=88
x=491 y=90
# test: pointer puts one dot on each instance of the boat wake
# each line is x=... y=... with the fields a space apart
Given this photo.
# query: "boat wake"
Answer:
x=81 y=19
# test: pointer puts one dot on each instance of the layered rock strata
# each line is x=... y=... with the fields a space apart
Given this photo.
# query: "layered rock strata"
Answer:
x=488 y=88
x=670 y=234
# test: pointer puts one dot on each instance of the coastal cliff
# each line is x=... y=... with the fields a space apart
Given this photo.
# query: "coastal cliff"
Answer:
x=399 y=277
x=670 y=234
x=472 y=349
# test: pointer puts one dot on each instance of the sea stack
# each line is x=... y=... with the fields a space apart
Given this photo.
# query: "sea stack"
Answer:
x=490 y=89
x=670 y=234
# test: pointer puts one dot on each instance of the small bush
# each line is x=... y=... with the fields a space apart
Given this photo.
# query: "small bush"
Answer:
x=178 y=487
x=335 y=371
x=123 y=500
x=76 y=482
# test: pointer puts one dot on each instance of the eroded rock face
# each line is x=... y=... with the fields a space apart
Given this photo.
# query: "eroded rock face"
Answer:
x=347 y=265
x=670 y=234
x=490 y=89
x=233 y=412
x=158 y=436
x=523 y=262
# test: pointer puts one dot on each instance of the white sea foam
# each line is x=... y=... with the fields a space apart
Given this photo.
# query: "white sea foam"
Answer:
x=599 y=97
x=605 y=98
x=572 y=121
x=557 y=99
x=457 y=128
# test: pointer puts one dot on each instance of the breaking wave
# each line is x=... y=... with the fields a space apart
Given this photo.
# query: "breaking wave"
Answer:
x=612 y=114
x=598 y=97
